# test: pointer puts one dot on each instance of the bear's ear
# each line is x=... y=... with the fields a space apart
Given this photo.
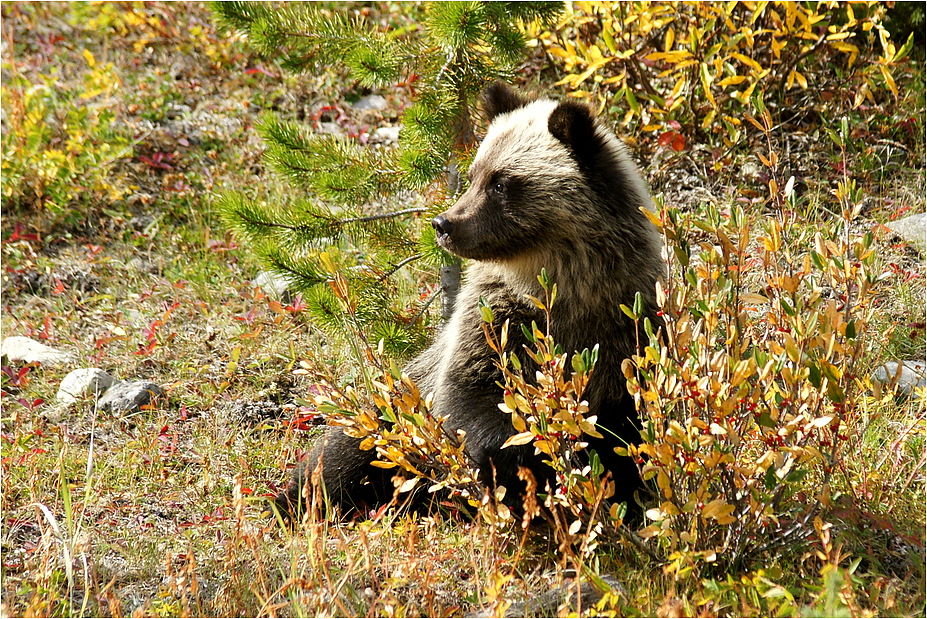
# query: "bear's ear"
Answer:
x=499 y=98
x=573 y=123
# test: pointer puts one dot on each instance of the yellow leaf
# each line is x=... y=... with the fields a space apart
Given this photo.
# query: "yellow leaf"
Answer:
x=663 y=482
x=593 y=67
x=752 y=297
x=732 y=80
x=380 y=464
x=653 y=217
x=755 y=123
x=802 y=81
x=672 y=57
x=839 y=36
x=648 y=532
x=522 y=438
x=847 y=48
x=89 y=57
x=717 y=509
x=560 y=53
x=889 y=80
x=750 y=62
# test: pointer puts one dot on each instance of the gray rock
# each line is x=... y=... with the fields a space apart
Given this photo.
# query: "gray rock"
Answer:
x=329 y=128
x=905 y=376
x=80 y=382
x=387 y=135
x=140 y=265
x=26 y=349
x=271 y=283
x=752 y=171
x=548 y=603
x=129 y=397
x=370 y=102
x=912 y=229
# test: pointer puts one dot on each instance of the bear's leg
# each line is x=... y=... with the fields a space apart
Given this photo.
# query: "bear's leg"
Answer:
x=346 y=476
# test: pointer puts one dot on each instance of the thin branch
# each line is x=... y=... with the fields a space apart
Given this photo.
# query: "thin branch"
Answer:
x=399 y=265
x=429 y=301
x=408 y=211
x=331 y=220
x=794 y=64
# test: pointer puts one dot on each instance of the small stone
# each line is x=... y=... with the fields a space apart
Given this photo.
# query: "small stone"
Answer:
x=370 y=102
x=271 y=283
x=142 y=223
x=329 y=128
x=129 y=397
x=140 y=265
x=751 y=171
x=912 y=229
x=549 y=602
x=905 y=376
x=386 y=135
x=20 y=348
x=80 y=382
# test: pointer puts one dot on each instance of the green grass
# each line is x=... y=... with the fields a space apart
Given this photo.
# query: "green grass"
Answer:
x=160 y=513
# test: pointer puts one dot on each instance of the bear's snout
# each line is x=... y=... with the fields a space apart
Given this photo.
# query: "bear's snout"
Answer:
x=442 y=225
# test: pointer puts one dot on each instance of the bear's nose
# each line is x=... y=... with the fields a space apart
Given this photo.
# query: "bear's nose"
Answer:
x=442 y=225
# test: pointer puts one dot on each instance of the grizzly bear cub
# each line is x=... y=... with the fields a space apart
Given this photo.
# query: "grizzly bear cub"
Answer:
x=550 y=188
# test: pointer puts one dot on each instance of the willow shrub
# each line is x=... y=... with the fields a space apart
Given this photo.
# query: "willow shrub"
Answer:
x=748 y=400
x=677 y=66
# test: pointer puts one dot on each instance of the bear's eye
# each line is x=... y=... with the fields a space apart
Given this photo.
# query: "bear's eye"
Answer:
x=499 y=187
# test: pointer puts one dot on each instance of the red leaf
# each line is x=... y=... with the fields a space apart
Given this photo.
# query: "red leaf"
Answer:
x=158 y=160
x=679 y=142
x=262 y=70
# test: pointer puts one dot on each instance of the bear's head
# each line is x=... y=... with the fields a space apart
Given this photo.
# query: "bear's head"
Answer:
x=537 y=182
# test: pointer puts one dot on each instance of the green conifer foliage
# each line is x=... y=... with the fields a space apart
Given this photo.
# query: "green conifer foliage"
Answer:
x=347 y=218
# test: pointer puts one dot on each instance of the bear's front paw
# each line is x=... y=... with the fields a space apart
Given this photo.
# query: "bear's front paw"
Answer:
x=288 y=504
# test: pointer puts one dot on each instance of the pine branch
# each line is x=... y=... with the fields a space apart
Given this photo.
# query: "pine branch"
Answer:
x=399 y=265
x=302 y=273
x=463 y=46
x=382 y=216
x=304 y=38
x=331 y=167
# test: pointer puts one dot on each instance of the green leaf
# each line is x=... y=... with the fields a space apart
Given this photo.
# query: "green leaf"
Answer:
x=485 y=310
x=579 y=364
x=628 y=311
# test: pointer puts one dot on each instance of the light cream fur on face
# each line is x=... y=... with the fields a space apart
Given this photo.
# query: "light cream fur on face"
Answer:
x=520 y=142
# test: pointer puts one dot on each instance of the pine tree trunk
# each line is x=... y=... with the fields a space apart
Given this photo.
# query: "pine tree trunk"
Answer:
x=464 y=137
